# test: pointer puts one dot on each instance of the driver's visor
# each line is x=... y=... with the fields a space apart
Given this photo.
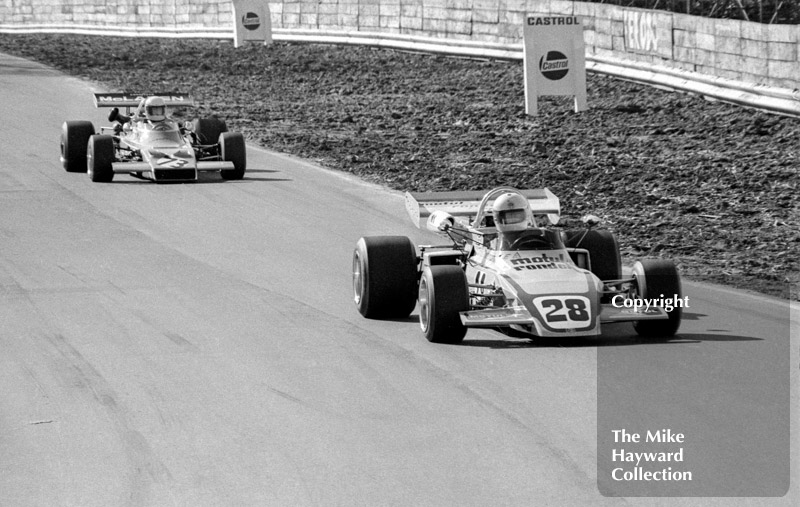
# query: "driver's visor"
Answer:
x=156 y=110
x=509 y=217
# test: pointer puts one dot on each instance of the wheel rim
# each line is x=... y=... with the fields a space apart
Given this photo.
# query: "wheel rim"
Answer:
x=358 y=279
x=89 y=164
x=424 y=305
x=641 y=282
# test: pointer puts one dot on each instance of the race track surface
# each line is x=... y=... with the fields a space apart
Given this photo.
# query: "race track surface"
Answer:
x=197 y=345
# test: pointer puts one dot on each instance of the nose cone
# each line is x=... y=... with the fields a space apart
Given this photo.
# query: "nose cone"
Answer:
x=548 y=280
x=171 y=159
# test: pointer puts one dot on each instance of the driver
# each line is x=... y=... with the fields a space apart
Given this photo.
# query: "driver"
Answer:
x=512 y=217
x=155 y=109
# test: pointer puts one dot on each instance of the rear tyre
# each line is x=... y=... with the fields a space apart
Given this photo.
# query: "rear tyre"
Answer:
x=443 y=293
x=100 y=156
x=603 y=248
x=385 y=277
x=208 y=130
x=656 y=279
x=74 y=139
x=232 y=149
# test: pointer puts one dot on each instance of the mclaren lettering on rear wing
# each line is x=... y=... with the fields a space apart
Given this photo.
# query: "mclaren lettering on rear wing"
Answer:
x=420 y=205
x=132 y=99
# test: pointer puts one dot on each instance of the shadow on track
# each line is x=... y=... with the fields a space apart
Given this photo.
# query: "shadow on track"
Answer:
x=616 y=335
x=617 y=340
x=203 y=178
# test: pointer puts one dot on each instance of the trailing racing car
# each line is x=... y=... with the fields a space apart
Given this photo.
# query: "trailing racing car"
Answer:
x=506 y=267
x=148 y=144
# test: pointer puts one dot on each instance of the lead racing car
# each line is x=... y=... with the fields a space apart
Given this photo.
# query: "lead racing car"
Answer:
x=506 y=267
x=147 y=143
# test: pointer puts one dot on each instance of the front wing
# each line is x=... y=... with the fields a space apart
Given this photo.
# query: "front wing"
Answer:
x=520 y=317
x=140 y=167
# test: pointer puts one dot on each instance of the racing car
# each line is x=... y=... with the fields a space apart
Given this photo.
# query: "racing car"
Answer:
x=506 y=267
x=147 y=143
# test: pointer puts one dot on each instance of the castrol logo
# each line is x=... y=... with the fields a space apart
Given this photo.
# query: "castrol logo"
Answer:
x=554 y=65
x=251 y=21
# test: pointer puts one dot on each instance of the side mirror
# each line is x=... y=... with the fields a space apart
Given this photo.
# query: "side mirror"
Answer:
x=591 y=220
x=440 y=221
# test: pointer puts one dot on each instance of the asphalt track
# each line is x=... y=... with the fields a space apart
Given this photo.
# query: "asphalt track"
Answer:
x=197 y=345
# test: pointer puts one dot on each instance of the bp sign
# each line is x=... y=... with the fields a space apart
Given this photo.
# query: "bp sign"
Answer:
x=251 y=21
x=555 y=63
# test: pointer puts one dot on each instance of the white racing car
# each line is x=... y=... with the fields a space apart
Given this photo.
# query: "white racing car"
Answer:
x=148 y=144
x=505 y=269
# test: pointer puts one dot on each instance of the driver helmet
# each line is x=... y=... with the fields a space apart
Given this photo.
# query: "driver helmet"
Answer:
x=511 y=212
x=155 y=109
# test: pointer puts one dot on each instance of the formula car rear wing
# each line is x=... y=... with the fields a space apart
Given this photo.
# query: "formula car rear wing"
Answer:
x=420 y=205
x=132 y=99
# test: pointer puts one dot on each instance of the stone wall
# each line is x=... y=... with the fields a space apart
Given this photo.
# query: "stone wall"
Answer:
x=141 y=13
x=738 y=50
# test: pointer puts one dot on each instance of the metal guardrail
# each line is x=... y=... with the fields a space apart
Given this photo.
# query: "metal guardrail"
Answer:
x=777 y=100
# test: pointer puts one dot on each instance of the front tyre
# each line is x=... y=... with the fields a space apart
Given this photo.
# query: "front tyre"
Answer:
x=100 y=156
x=657 y=279
x=232 y=149
x=74 y=139
x=443 y=294
x=208 y=130
x=385 y=277
x=604 y=256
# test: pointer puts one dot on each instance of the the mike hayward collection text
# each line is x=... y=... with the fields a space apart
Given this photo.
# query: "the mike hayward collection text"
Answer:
x=648 y=466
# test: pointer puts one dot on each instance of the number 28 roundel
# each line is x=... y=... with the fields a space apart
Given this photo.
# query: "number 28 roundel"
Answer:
x=565 y=312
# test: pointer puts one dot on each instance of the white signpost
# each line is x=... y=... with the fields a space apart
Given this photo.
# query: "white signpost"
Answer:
x=251 y=22
x=554 y=60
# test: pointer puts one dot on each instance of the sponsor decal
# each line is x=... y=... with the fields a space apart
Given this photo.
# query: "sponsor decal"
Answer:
x=554 y=65
x=631 y=311
x=451 y=204
x=543 y=261
x=128 y=98
x=251 y=21
x=489 y=314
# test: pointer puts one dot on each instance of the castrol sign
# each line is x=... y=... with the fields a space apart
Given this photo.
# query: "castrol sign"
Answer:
x=555 y=63
x=251 y=22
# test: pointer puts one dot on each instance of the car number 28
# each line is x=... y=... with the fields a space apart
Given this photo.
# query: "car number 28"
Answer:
x=564 y=312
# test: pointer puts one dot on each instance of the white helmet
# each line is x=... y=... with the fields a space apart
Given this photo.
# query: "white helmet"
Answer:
x=155 y=109
x=511 y=212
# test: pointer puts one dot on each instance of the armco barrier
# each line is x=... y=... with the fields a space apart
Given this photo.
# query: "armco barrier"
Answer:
x=746 y=63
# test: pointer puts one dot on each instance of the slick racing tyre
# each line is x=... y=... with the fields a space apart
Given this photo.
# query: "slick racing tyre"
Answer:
x=208 y=130
x=385 y=277
x=74 y=139
x=658 y=279
x=443 y=293
x=100 y=155
x=231 y=148
x=603 y=248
